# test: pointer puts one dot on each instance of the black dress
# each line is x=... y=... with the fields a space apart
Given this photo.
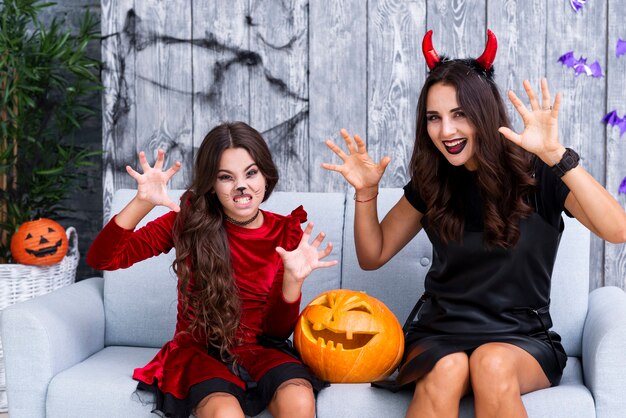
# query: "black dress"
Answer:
x=475 y=295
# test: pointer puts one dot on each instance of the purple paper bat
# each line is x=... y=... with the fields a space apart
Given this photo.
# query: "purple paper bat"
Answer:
x=580 y=65
x=567 y=59
x=577 y=4
x=622 y=186
x=613 y=119
x=620 y=49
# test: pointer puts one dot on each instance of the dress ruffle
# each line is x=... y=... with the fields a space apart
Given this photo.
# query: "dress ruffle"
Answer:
x=294 y=230
x=167 y=405
x=253 y=400
x=180 y=364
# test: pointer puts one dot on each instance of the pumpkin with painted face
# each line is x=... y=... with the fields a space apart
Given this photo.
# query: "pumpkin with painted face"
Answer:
x=41 y=243
x=346 y=336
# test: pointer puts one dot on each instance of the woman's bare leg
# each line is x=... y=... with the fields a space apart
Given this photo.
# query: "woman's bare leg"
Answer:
x=438 y=393
x=500 y=373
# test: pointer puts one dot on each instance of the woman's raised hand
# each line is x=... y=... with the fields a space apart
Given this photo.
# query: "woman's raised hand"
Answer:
x=357 y=168
x=151 y=185
x=541 y=131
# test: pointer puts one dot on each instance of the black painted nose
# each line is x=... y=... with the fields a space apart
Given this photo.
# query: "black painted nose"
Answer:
x=241 y=189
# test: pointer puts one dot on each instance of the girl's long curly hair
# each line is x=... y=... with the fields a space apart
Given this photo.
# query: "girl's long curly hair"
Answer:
x=209 y=295
x=504 y=172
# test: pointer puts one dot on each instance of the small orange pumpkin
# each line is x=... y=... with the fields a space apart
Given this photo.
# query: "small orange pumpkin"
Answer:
x=346 y=336
x=41 y=243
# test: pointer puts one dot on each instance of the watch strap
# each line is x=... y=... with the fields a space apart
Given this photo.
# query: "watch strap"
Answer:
x=568 y=161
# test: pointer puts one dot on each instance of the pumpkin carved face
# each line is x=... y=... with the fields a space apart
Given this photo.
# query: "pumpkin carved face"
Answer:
x=42 y=243
x=346 y=336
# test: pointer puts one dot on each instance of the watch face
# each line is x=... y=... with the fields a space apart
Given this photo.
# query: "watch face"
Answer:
x=568 y=161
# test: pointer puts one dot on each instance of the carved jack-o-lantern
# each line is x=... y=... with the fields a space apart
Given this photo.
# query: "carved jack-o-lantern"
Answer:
x=42 y=243
x=348 y=336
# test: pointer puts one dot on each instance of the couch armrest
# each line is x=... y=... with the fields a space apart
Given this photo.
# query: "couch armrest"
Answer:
x=46 y=335
x=604 y=345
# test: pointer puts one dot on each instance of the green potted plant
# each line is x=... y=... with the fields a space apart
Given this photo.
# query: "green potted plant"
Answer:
x=45 y=75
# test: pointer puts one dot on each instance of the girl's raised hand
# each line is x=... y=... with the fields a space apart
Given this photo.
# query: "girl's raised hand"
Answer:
x=307 y=257
x=357 y=168
x=152 y=184
x=541 y=131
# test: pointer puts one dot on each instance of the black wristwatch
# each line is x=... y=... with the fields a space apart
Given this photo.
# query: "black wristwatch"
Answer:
x=568 y=161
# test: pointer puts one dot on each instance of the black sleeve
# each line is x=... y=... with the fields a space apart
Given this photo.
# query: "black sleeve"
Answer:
x=551 y=194
x=414 y=198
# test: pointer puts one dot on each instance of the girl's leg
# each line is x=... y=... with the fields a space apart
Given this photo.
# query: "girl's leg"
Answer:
x=500 y=374
x=439 y=392
x=293 y=398
x=219 y=405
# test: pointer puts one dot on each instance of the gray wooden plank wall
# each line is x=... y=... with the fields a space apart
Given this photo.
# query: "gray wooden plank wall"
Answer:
x=298 y=70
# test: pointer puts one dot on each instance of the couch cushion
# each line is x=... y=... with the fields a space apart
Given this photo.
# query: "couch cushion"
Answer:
x=109 y=372
x=570 y=285
x=570 y=399
x=104 y=384
x=102 y=387
x=400 y=282
x=140 y=301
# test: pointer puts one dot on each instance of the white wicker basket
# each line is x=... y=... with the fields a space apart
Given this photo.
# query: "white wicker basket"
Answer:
x=19 y=282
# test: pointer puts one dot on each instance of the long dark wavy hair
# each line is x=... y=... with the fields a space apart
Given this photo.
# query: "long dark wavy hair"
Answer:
x=504 y=172
x=209 y=295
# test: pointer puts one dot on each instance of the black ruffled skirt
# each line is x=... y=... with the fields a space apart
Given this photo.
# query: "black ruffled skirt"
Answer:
x=253 y=400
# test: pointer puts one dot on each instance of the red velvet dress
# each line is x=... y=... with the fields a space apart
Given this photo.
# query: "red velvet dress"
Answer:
x=258 y=271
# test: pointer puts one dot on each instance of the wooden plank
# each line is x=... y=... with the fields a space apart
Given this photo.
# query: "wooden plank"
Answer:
x=337 y=82
x=396 y=73
x=279 y=105
x=249 y=61
x=221 y=57
x=615 y=255
x=520 y=26
x=583 y=104
x=163 y=85
x=458 y=27
x=118 y=111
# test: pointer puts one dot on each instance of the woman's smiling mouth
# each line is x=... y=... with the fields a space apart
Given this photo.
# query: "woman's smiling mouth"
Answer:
x=455 y=146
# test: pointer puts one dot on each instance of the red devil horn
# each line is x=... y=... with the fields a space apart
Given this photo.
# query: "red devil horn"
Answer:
x=432 y=59
x=486 y=59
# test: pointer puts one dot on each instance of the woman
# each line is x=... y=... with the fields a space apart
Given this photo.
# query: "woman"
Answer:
x=240 y=272
x=490 y=201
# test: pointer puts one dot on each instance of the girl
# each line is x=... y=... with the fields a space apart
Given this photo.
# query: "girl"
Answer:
x=240 y=272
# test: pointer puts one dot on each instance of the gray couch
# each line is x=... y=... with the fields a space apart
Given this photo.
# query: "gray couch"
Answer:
x=71 y=353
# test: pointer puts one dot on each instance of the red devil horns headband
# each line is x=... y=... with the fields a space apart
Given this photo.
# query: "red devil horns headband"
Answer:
x=485 y=60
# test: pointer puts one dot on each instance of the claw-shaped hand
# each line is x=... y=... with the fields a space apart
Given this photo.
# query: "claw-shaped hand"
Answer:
x=151 y=185
x=541 y=131
x=307 y=257
x=357 y=168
